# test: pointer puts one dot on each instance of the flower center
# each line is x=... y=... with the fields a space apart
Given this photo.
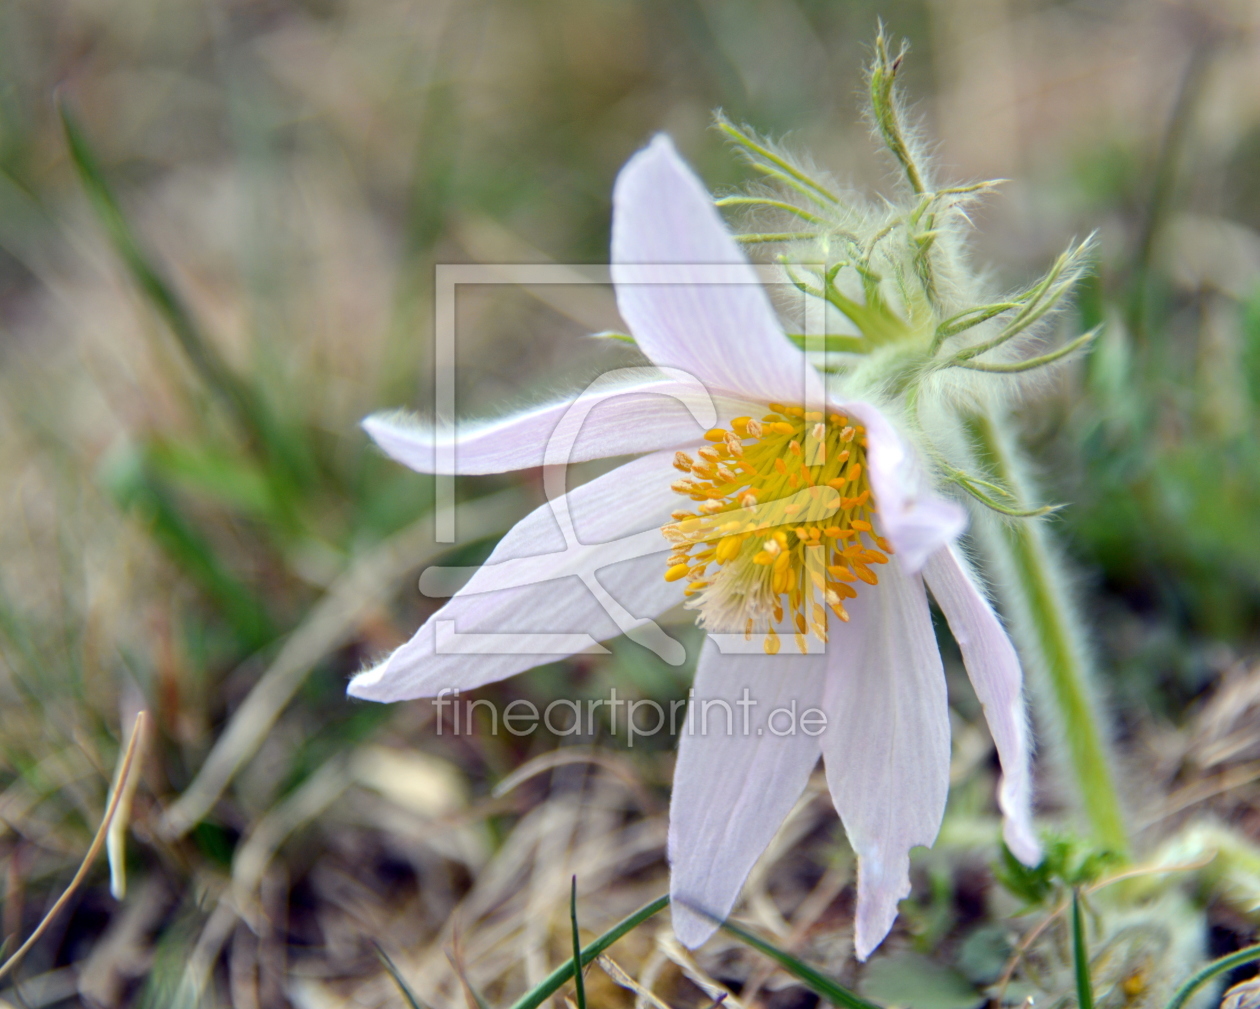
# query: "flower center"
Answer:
x=782 y=524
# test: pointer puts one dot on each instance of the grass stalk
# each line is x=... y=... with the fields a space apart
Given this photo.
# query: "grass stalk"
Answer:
x=551 y=984
x=94 y=849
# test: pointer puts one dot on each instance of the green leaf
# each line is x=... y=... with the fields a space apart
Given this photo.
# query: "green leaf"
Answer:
x=240 y=400
x=885 y=110
x=820 y=984
x=552 y=983
x=769 y=163
x=229 y=479
x=1080 y=956
x=1216 y=967
x=578 y=981
x=413 y=1000
x=139 y=490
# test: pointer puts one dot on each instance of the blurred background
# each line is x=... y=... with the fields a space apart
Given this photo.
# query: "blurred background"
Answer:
x=192 y=523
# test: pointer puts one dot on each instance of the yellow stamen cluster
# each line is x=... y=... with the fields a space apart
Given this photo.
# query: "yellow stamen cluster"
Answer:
x=782 y=524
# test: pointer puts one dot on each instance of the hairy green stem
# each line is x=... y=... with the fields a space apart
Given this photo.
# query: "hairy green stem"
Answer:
x=1042 y=615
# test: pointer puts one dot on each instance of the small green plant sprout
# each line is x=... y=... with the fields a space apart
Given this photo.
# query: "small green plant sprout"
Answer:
x=1068 y=864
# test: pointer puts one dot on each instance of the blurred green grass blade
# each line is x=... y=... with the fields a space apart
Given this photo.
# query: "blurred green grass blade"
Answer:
x=241 y=401
x=136 y=488
x=235 y=481
x=413 y=1000
x=1080 y=956
x=551 y=984
x=578 y=982
x=820 y=984
x=1226 y=963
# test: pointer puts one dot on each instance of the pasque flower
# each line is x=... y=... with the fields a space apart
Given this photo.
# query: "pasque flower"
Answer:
x=802 y=525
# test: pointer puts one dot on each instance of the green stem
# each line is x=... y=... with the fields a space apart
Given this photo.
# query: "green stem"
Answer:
x=1041 y=608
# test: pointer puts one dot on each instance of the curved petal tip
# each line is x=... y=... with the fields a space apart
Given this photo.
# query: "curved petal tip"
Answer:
x=369 y=685
x=880 y=886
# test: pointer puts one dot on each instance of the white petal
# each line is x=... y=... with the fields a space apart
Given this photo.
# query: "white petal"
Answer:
x=625 y=412
x=886 y=747
x=732 y=790
x=541 y=581
x=995 y=673
x=916 y=520
x=710 y=316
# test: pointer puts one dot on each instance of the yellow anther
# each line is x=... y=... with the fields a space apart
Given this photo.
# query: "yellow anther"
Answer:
x=802 y=643
x=728 y=548
x=748 y=629
x=771 y=644
x=677 y=572
x=791 y=487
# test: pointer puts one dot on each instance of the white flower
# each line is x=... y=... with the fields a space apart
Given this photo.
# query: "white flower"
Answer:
x=780 y=521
